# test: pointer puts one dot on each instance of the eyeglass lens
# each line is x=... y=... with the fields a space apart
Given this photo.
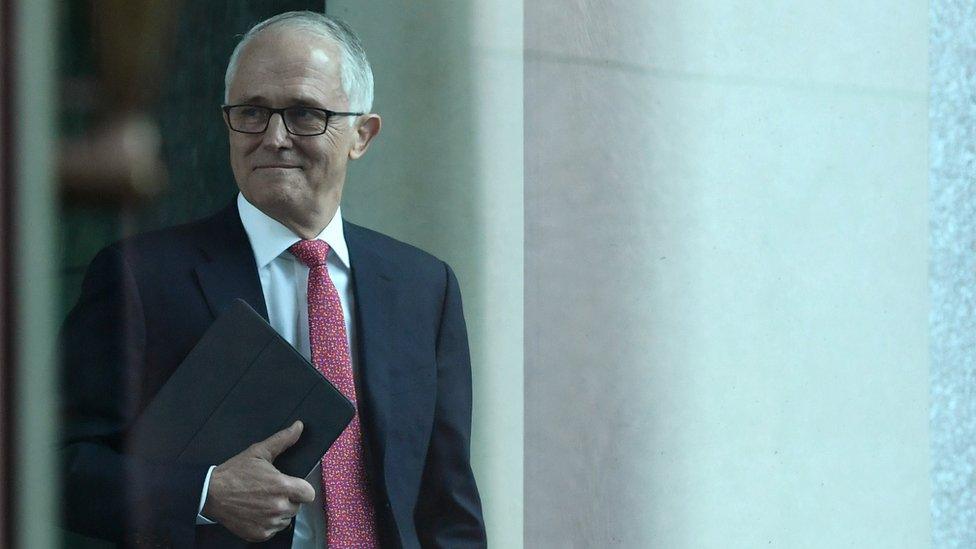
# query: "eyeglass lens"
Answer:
x=298 y=120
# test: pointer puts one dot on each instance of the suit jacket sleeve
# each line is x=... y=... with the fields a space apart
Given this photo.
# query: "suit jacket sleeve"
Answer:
x=449 y=507
x=108 y=493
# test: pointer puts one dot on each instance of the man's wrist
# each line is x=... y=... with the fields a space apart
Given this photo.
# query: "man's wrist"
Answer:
x=202 y=520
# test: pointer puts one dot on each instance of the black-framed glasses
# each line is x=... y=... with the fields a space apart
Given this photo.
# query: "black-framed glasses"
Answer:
x=303 y=121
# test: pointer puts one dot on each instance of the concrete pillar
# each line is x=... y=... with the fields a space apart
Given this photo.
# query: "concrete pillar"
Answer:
x=726 y=274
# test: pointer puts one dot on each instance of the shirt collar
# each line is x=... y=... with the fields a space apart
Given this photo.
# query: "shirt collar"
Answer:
x=269 y=238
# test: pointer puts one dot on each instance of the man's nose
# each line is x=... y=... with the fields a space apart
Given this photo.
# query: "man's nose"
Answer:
x=276 y=135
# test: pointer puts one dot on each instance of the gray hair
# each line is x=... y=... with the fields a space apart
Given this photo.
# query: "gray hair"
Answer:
x=357 y=75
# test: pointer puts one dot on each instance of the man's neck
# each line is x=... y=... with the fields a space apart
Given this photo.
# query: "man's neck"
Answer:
x=306 y=232
x=309 y=225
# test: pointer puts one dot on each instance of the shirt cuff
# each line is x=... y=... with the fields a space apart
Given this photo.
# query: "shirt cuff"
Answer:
x=203 y=498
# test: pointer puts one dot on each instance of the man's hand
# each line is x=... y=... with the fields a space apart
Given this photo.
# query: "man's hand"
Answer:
x=249 y=497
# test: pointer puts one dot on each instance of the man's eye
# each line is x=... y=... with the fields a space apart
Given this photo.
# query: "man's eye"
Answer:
x=249 y=112
x=300 y=113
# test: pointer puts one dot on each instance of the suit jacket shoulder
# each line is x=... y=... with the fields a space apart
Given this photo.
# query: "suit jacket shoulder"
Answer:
x=399 y=255
x=192 y=241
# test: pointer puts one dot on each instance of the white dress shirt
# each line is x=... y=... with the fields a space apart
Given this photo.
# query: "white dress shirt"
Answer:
x=284 y=281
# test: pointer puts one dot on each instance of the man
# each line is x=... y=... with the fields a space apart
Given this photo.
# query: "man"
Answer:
x=380 y=318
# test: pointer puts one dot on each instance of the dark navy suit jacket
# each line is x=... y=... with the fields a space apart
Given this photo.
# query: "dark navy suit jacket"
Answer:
x=147 y=300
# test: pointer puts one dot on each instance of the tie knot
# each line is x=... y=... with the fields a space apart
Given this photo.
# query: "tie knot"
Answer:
x=310 y=252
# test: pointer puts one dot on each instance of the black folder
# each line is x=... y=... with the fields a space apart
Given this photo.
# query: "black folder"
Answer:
x=240 y=384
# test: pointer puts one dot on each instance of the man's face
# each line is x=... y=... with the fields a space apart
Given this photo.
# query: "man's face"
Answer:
x=286 y=176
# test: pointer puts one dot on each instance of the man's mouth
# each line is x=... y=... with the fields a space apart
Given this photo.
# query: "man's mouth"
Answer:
x=276 y=166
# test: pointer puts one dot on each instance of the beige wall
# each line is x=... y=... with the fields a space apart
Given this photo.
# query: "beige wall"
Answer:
x=726 y=274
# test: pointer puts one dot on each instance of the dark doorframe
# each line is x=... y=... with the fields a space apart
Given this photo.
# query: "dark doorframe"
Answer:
x=6 y=268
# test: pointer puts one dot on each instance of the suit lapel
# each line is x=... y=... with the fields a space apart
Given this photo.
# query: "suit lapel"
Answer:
x=229 y=271
x=388 y=364
x=373 y=288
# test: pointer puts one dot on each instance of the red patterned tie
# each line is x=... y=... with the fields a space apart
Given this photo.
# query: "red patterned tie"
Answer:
x=349 y=509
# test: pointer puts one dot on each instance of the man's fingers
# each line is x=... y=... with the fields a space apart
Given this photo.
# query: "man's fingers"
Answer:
x=300 y=491
x=284 y=522
x=285 y=508
x=277 y=443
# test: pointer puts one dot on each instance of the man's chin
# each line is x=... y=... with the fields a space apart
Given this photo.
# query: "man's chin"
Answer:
x=274 y=184
x=273 y=193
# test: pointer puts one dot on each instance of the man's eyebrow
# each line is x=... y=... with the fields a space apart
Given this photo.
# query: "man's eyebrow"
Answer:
x=303 y=101
x=306 y=101
x=253 y=100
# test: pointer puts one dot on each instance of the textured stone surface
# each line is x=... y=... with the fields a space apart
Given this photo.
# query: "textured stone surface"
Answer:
x=952 y=149
x=726 y=274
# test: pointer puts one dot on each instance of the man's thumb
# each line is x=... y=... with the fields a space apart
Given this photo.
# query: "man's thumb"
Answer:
x=277 y=443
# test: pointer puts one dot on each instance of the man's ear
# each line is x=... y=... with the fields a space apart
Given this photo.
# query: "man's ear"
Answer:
x=366 y=130
x=223 y=116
